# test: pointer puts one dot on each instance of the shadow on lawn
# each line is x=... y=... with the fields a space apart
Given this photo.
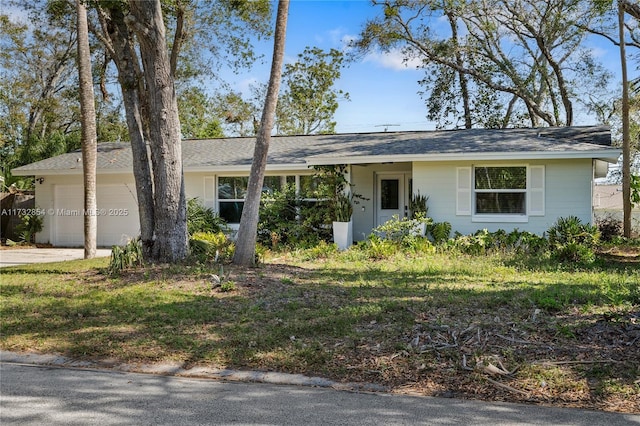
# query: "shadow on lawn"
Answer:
x=339 y=323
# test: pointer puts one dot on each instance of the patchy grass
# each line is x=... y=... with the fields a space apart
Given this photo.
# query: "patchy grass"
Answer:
x=490 y=328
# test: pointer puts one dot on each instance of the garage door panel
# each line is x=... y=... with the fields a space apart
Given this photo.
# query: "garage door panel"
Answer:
x=68 y=227
x=118 y=221
x=117 y=215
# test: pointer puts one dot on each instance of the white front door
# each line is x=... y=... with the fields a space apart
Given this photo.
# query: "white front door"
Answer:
x=391 y=197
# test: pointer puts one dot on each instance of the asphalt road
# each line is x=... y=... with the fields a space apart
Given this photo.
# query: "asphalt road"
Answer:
x=40 y=395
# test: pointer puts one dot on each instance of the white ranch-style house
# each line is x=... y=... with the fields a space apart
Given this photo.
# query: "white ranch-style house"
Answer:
x=475 y=179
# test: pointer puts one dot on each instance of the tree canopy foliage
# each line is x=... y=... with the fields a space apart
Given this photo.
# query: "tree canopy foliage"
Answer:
x=512 y=63
x=309 y=100
x=38 y=90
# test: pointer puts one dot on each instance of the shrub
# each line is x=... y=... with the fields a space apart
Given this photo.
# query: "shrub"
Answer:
x=609 y=228
x=228 y=286
x=397 y=235
x=125 y=257
x=30 y=225
x=523 y=242
x=320 y=251
x=286 y=219
x=211 y=247
x=398 y=230
x=474 y=244
x=203 y=219
x=571 y=240
x=439 y=232
x=379 y=248
x=484 y=242
x=418 y=244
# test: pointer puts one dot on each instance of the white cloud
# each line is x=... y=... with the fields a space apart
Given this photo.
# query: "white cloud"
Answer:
x=394 y=59
x=244 y=86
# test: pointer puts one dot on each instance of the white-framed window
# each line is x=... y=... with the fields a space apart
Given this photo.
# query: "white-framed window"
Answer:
x=231 y=193
x=500 y=193
x=500 y=190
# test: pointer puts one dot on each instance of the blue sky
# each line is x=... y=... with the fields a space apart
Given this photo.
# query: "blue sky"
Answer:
x=383 y=90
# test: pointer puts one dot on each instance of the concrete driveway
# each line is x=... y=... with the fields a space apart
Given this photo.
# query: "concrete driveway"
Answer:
x=26 y=256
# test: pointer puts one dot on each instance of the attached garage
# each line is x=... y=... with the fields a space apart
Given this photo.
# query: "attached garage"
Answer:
x=117 y=215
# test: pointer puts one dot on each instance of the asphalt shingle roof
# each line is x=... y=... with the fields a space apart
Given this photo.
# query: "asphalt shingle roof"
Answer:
x=300 y=150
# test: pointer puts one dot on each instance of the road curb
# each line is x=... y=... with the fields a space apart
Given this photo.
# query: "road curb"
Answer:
x=178 y=370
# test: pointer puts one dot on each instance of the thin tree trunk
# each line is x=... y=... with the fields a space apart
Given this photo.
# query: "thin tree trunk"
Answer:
x=247 y=234
x=626 y=143
x=170 y=233
x=89 y=138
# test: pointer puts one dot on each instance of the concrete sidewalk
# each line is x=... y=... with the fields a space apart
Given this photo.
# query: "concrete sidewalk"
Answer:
x=27 y=256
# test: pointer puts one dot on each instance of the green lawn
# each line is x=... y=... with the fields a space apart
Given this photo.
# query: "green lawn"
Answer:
x=435 y=324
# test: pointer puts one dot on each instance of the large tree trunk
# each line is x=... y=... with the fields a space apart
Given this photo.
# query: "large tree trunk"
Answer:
x=247 y=234
x=89 y=138
x=132 y=83
x=170 y=234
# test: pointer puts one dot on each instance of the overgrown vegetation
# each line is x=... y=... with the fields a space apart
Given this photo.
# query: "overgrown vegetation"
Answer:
x=211 y=247
x=571 y=240
x=431 y=320
x=288 y=219
x=203 y=219
x=30 y=225
x=127 y=256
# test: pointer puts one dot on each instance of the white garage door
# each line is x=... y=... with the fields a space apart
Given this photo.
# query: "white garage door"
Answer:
x=117 y=215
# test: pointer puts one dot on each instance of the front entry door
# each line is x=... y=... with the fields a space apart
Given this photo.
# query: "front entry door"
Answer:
x=391 y=197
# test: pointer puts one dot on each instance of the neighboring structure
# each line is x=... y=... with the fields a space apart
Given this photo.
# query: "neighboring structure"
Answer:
x=607 y=204
x=475 y=179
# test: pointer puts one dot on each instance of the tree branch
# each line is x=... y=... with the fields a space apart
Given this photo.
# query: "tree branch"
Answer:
x=178 y=38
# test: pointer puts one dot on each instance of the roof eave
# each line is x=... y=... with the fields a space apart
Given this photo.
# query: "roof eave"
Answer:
x=245 y=168
x=609 y=155
x=65 y=172
x=197 y=169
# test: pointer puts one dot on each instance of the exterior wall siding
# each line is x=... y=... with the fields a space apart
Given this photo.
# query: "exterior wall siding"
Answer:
x=567 y=192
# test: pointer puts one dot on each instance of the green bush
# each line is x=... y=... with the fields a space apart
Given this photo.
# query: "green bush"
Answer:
x=213 y=247
x=523 y=242
x=484 y=242
x=30 y=224
x=322 y=250
x=475 y=244
x=203 y=219
x=399 y=230
x=439 y=232
x=128 y=256
x=379 y=248
x=572 y=241
x=288 y=220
